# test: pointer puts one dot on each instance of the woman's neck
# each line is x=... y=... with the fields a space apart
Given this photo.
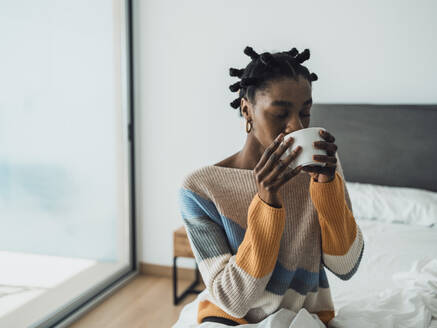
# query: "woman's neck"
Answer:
x=249 y=156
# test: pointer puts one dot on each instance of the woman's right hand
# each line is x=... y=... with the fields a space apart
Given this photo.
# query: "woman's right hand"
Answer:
x=268 y=171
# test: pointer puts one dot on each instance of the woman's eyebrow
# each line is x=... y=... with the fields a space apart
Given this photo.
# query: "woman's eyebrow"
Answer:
x=285 y=103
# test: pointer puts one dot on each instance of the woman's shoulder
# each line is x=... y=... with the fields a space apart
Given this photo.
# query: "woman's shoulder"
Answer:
x=195 y=176
x=203 y=173
x=199 y=181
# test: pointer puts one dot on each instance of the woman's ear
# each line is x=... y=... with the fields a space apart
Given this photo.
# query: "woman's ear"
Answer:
x=245 y=109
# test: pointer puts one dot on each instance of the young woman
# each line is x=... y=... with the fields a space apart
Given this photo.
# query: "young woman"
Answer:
x=262 y=233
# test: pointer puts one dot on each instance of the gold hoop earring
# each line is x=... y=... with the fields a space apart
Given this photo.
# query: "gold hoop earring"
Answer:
x=248 y=129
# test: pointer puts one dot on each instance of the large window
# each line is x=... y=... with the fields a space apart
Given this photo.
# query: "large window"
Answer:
x=66 y=152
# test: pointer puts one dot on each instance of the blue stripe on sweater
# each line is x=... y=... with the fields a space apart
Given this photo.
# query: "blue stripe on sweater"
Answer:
x=348 y=275
x=301 y=280
x=192 y=206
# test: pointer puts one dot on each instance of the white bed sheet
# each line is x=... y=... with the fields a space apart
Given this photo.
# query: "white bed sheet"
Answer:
x=390 y=248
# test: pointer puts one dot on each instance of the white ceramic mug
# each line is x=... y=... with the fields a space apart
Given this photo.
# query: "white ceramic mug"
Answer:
x=305 y=139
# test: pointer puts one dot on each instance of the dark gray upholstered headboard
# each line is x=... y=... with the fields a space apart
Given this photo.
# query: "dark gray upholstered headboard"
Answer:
x=392 y=145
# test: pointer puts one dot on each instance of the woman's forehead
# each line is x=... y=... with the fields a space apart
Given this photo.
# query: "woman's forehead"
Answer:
x=285 y=93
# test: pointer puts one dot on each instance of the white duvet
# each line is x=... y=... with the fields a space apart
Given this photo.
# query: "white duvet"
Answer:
x=395 y=285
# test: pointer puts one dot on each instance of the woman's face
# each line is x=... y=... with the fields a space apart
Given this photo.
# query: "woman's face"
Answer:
x=283 y=107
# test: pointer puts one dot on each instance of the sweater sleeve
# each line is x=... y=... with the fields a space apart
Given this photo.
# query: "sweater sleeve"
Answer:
x=234 y=281
x=342 y=239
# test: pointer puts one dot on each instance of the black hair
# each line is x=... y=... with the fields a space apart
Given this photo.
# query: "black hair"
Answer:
x=265 y=68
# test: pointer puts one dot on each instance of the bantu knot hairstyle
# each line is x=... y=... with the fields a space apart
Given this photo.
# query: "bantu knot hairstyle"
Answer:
x=267 y=59
x=265 y=68
x=244 y=83
x=251 y=53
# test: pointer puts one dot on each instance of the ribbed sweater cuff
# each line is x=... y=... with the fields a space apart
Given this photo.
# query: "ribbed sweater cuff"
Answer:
x=328 y=197
x=336 y=220
x=268 y=218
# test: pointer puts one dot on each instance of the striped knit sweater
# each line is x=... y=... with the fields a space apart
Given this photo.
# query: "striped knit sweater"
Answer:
x=255 y=258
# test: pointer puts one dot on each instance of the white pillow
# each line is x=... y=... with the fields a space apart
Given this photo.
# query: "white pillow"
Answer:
x=393 y=204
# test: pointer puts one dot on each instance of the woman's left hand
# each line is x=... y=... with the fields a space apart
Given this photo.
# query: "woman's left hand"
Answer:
x=324 y=173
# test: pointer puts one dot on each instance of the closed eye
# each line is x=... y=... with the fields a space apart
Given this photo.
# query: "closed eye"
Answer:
x=286 y=114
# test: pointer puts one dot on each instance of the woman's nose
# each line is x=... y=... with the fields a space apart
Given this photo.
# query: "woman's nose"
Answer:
x=293 y=125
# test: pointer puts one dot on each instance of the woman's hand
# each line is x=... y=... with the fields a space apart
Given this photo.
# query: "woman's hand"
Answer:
x=272 y=172
x=324 y=173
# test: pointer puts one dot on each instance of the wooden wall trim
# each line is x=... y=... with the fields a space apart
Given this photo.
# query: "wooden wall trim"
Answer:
x=167 y=271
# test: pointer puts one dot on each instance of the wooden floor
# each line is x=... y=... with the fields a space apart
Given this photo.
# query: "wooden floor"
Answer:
x=146 y=301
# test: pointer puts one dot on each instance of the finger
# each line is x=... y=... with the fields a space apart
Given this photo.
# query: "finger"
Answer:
x=325 y=159
x=274 y=159
x=293 y=155
x=327 y=136
x=283 y=165
x=319 y=169
x=268 y=152
x=330 y=148
x=287 y=175
x=312 y=168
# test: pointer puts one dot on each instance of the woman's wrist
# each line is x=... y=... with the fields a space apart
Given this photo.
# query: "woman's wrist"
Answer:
x=271 y=200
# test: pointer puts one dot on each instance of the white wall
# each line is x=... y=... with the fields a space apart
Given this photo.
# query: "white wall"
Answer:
x=363 y=52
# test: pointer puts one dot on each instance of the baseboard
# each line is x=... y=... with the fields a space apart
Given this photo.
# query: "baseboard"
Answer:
x=167 y=271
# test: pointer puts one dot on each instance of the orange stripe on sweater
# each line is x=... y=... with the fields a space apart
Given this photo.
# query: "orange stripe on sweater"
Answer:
x=325 y=316
x=258 y=252
x=206 y=308
x=337 y=223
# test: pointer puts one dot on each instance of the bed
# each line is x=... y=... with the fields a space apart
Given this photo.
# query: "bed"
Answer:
x=396 y=284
